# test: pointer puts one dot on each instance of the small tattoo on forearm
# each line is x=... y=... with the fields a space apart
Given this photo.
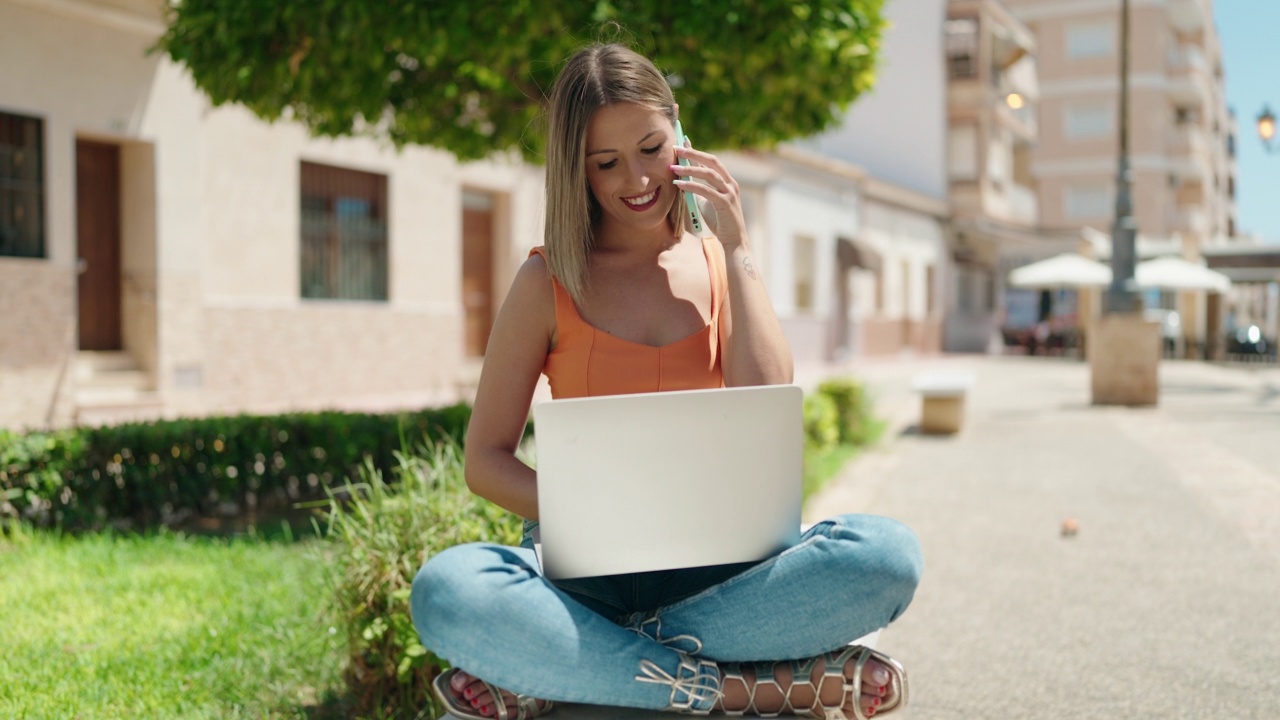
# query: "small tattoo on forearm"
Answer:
x=748 y=267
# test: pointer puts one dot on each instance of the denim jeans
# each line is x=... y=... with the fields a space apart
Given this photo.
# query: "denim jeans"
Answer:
x=626 y=640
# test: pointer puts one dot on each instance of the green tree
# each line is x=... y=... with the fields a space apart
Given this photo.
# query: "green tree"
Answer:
x=470 y=77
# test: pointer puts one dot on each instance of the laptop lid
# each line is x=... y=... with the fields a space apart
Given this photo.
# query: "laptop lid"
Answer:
x=656 y=481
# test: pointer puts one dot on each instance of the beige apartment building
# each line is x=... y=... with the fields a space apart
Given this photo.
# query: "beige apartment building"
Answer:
x=1181 y=136
x=992 y=102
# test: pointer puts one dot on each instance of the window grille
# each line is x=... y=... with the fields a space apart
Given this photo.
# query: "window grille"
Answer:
x=21 y=186
x=344 y=234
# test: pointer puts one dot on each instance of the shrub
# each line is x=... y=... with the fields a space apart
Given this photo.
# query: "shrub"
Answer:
x=32 y=467
x=147 y=474
x=821 y=421
x=853 y=408
x=381 y=533
x=838 y=420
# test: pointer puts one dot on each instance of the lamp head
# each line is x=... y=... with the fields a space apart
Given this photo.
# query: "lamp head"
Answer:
x=1266 y=126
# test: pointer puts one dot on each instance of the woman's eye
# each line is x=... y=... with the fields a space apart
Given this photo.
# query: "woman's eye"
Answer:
x=606 y=166
x=652 y=150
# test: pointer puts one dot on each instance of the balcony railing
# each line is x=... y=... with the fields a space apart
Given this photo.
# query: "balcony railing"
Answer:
x=1022 y=118
x=1024 y=206
x=1187 y=57
x=1010 y=202
x=1190 y=218
x=1189 y=15
x=1190 y=140
x=1189 y=75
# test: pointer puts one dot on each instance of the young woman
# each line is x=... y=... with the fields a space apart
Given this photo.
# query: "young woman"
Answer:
x=624 y=299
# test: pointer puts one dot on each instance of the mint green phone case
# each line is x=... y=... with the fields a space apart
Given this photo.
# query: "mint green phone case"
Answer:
x=690 y=201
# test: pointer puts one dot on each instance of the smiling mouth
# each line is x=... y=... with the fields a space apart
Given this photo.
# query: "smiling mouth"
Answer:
x=642 y=202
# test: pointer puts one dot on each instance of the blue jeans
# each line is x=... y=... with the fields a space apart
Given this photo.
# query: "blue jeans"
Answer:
x=628 y=640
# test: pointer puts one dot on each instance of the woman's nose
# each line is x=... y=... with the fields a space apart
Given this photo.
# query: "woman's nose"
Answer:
x=638 y=174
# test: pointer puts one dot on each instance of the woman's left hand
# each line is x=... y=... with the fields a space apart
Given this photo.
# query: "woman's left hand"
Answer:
x=720 y=190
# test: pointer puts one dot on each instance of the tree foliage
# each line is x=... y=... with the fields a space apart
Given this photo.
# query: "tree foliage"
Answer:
x=470 y=78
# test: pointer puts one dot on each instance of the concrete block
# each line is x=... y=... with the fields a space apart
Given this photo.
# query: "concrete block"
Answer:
x=1124 y=360
x=942 y=406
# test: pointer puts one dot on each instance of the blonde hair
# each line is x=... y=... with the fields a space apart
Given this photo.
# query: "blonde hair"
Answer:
x=594 y=77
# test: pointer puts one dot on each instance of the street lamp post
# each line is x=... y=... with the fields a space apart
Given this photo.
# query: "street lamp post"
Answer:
x=1120 y=296
x=1123 y=347
x=1266 y=127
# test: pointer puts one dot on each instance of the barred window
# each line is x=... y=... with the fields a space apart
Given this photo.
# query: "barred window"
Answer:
x=21 y=186
x=344 y=233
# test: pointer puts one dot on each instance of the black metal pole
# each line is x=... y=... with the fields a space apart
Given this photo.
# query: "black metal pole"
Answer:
x=1121 y=296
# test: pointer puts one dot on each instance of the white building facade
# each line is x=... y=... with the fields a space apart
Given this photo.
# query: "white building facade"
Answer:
x=172 y=258
x=163 y=257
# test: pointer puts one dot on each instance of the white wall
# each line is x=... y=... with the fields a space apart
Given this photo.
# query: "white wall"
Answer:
x=796 y=209
x=897 y=131
x=213 y=195
x=908 y=242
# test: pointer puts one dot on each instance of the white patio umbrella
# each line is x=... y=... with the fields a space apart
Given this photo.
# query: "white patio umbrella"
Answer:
x=1174 y=273
x=1068 y=270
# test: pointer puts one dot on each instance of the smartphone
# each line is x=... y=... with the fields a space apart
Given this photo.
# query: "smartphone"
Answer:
x=690 y=200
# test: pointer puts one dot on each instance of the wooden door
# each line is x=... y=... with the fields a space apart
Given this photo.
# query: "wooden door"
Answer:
x=98 y=244
x=1215 y=340
x=477 y=270
x=908 y=337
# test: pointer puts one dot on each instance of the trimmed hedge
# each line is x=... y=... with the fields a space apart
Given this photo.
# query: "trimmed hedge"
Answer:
x=146 y=474
x=141 y=475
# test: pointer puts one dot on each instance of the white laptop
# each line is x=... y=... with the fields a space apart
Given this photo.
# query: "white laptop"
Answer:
x=656 y=481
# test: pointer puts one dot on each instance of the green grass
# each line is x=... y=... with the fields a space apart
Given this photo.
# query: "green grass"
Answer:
x=178 y=626
x=822 y=465
x=165 y=626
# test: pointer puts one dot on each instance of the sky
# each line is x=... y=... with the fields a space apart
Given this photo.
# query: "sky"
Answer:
x=1251 y=62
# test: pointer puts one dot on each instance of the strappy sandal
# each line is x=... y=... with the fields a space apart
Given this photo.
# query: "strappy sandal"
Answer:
x=833 y=668
x=527 y=707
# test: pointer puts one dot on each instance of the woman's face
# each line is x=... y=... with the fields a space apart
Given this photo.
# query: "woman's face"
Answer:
x=629 y=157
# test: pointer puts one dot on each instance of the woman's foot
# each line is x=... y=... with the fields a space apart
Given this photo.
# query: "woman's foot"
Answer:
x=473 y=691
x=883 y=686
x=769 y=696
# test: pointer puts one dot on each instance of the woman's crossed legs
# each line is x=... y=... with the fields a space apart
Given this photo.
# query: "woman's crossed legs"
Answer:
x=487 y=609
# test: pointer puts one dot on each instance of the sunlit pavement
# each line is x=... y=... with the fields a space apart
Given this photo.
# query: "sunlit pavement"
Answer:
x=1165 y=603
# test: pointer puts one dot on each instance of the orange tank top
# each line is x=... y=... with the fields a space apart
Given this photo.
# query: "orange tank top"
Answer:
x=588 y=361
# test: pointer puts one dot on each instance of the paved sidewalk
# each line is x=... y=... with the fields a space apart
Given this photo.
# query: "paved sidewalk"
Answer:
x=1167 y=601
